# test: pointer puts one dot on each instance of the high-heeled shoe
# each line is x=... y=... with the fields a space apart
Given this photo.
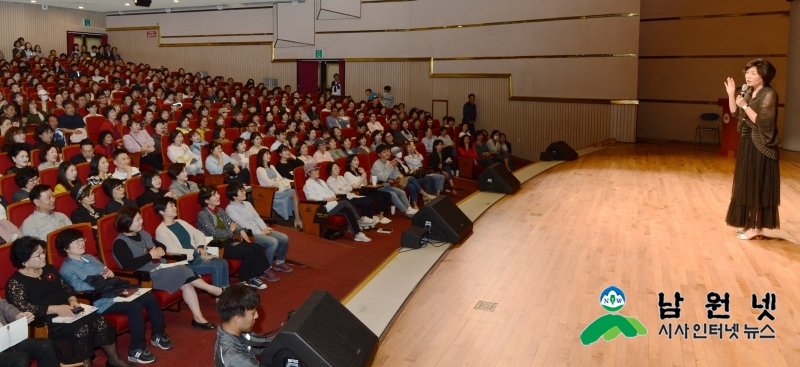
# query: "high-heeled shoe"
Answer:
x=202 y=325
x=759 y=235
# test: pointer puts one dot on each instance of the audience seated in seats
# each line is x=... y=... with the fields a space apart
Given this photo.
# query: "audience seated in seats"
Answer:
x=377 y=139
x=388 y=140
x=214 y=222
x=312 y=137
x=237 y=309
x=115 y=190
x=181 y=238
x=317 y=190
x=339 y=185
x=361 y=141
x=48 y=155
x=373 y=124
x=19 y=154
x=322 y=154
x=497 y=148
x=197 y=143
x=137 y=140
x=178 y=152
x=407 y=133
x=38 y=288
x=26 y=179
x=67 y=177
x=386 y=168
x=357 y=178
x=70 y=122
x=218 y=163
x=484 y=153
x=240 y=153
x=244 y=214
x=44 y=135
x=441 y=161
x=135 y=249
x=84 y=272
x=21 y=354
x=251 y=128
x=268 y=176
x=428 y=140
x=44 y=219
x=105 y=145
x=111 y=123
x=464 y=130
x=219 y=135
x=123 y=169
x=87 y=152
x=304 y=156
x=280 y=139
x=183 y=125
x=15 y=135
x=151 y=181
x=434 y=182
x=98 y=170
x=287 y=163
x=180 y=184
x=86 y=211
x=467 y=150
x=255 y=143
x=335 y=152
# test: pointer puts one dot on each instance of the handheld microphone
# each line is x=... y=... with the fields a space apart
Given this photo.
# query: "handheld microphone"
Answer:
x=744 y=89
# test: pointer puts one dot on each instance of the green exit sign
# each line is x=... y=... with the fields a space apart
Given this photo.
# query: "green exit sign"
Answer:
x=87 y=22
x=318 y=54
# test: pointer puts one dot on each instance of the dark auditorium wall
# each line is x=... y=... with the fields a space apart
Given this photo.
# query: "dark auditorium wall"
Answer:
x=687 y=49
x=542 y=70
x=45 y=28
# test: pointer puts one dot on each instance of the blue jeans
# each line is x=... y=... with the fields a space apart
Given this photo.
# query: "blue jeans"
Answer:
x=218 y=268
x=399 y=199
x=433 y=182
x=273 y=242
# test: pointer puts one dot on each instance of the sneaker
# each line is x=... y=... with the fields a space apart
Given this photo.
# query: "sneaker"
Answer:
x=361 y=237
x=142 y=356
x=282 y=267
x=255 y=283
x=365 y=222
x=411 y=211
x=162 y=341
x=385 y=221
x=270 y=276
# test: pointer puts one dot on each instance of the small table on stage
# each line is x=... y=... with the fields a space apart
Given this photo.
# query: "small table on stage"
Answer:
x=729 y=136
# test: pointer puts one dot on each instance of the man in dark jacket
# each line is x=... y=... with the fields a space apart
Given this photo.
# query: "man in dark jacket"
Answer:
x=470 y=114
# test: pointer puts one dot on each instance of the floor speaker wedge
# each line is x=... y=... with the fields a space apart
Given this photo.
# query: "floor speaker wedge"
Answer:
x=561 y=151
x=322 y=332
x=497 y=178
x=446 y=220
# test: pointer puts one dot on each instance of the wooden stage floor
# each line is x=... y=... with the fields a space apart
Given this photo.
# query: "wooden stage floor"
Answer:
x=645 y=218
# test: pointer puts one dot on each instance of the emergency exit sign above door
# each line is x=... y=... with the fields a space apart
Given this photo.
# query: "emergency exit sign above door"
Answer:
x=317 y=54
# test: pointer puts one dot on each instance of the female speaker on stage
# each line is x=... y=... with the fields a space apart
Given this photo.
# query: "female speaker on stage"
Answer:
x=756 y=182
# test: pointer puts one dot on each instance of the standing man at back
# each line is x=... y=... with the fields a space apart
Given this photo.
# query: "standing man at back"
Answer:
x=470 y=114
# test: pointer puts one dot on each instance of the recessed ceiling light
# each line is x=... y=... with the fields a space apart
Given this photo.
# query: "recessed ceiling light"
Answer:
x=33 y=1
x=127 y=4
x=80 y=7
x=176 y=1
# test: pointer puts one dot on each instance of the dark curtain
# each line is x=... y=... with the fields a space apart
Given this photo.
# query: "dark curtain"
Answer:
x=341 y=78
x=307 y=76
x=105 y=40
x=70 y=42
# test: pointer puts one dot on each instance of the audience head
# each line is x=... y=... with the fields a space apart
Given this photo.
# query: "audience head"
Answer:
x=29 y=252
x=19 y=154
x=237 y=307
x=121 y=158
x=166 y=206
x=65 y=240
x=208 y=195
x=82 y=194
x=128 y=220
x=68 y=175
x=27 y=176
x=98 y=163
x=112 y=184
x=233 y=190
x=43 y=198
x=175 y=170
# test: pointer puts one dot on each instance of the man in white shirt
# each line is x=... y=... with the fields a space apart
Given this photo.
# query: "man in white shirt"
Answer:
x=336 y=86
x=242 y=212
x=122 y=162
x=317 y=190
x=280 y=139
x=44 y=219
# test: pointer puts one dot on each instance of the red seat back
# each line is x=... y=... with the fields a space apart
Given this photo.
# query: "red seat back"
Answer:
x=6 y=269
x=150 y=218
x=7 y=186
x=100 y=198
x=70 y=151
x=106 y=234
x=188 y=208
x=299 y=182
x=18 y=212
x=65 y=204
x=93 y=126
x=5 y=163
x=54 y=258
x=49 y=177
x=83 y=171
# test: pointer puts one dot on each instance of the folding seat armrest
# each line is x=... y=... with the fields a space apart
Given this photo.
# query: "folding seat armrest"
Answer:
x=137 y=275
x=88 y=296
x=175 y=257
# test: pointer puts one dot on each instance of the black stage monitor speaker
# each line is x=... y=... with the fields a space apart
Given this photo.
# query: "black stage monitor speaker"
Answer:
x=561 y=151
x=448 y=223
x=322 y=332
x=497 y=178
x=143 y=3
x=412 y=237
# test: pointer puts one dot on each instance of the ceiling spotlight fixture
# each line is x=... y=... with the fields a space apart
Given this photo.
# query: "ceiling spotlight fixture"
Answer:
x=219 y=7
x=33 y=1
x=168 y=10
x=127 y=4
x=175 y=1
x=80 y=7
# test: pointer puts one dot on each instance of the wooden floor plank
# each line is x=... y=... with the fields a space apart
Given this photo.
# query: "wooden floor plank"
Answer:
x=648 y=218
